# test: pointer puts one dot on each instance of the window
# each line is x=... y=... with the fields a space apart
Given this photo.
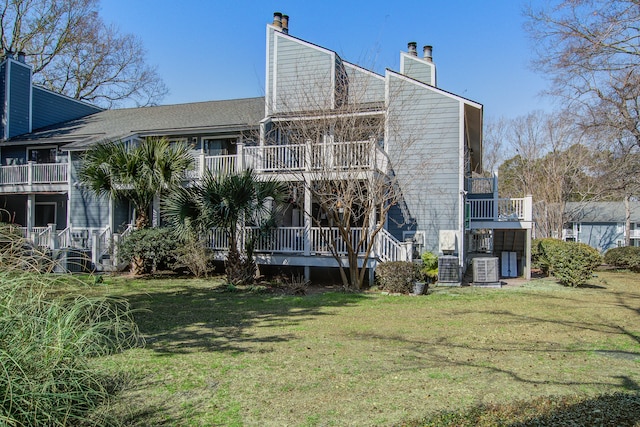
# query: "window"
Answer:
x=42 y=155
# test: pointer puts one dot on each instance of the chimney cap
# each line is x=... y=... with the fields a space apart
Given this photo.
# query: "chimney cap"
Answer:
x=411 y=47
x=428 y=53
x=277 y=19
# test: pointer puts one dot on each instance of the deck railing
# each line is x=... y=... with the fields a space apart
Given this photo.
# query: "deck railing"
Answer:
x=517 y=209
x=34 y=173
x=321 y=241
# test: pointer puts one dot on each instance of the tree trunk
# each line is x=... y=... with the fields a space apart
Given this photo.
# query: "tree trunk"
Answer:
x=142 y=219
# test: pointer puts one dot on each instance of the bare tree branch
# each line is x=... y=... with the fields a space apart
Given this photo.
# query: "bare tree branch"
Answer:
x=72 y=51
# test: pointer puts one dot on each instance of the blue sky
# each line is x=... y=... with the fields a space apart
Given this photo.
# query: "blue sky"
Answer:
x=209 y=50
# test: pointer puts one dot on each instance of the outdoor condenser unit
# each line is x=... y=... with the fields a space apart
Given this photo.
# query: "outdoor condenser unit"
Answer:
x=486 y=270
x=448 y=269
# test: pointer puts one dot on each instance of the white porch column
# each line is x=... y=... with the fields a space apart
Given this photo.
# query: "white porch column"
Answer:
x=240 y=161
x=528 y=207
x=31 y=212
x=201 y=165
x=527 y=255
x=53 y=236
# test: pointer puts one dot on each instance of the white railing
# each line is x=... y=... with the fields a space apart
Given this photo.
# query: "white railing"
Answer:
x=390 y=249
x=34 y=173
x=272 y=158
x=329 y=156
x=518 y=209
x=221 y=165
x=281 y=239
x=342 y=155
x=104 y=242
x=321 y=241
x=64 y=238
x=635 y=234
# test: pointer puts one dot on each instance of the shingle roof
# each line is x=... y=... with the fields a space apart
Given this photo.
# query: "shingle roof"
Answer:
x=193 y=118
x=601 y=212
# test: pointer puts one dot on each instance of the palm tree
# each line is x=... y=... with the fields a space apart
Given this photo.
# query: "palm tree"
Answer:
x=226 y=202
x=137 y=173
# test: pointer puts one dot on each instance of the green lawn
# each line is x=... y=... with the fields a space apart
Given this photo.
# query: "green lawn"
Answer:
x=214 y=357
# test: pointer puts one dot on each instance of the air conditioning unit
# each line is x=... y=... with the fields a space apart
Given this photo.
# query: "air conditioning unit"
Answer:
x=486 y=271
x=448 y=270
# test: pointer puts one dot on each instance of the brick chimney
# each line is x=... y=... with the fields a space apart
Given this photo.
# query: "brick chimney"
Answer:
x=285 y=24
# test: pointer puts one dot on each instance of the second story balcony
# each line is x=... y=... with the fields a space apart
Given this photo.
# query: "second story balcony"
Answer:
x=32 y=177
x=296 y=159
x=485 y=209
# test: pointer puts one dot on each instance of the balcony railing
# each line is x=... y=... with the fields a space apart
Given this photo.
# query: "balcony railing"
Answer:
x=34 y=173
x=518 y=209
x=292 y=158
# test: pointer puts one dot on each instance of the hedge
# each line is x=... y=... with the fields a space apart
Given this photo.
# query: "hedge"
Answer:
x=571 y=263
x=624 y=257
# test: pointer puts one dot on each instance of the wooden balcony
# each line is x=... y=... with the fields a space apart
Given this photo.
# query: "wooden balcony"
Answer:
x=297 y=159
x=33 y=177
x=486 y=210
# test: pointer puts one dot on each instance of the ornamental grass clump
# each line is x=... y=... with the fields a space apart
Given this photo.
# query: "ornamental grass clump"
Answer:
x=47 y=343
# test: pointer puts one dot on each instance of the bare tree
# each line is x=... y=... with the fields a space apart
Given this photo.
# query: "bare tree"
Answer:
x=591 y=51
x=350 y=195
x=348 y=177
x=493 y=144
x=617 y=169
x=550 y=163
x=72 y=51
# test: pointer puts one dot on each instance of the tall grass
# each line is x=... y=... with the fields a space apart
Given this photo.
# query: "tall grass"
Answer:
x=47 y=342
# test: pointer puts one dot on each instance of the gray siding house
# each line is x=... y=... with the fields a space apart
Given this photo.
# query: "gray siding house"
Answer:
x=601 y=225
x=424 y=139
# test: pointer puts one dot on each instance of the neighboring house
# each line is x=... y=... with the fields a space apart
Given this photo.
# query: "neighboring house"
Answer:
x=601 y=225
x=425 y=138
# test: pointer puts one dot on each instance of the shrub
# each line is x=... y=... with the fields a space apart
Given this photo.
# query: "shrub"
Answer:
x=149 y=249
x=195 y=257
x=397 y=276
x=624 y=257
x=429 y=268
x=570 y=262
x=543 y=251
